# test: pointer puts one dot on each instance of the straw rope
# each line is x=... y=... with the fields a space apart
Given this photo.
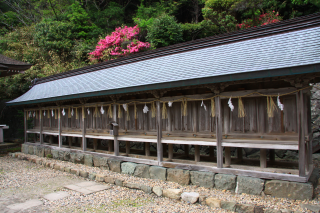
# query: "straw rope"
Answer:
x=110 y=111
x=164 y=111
x=83 y=113
x=213 y=108
x=153 y=110
x=271 y=107
x=184 y=104
x=241 y=111
x=135 y=110
x=119 y=111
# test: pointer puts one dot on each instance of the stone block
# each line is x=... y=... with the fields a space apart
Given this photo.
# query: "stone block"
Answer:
x=67 y=169
x=92 y=176
x=272 y=211
x=84 y=174
x=96 y=161
x=35 y=148
x=47 y=151
x=79 y=158
x=146 y=189
x=314 y=178
x=179 y=176
x=39 y=161
x=172 y=193
x=39 y=151
x=88 y=160
x=157 y=172
x=110 y=180
x=202 y=199
x=55 y=154
x=313 y=208
x=225 y=182
x=190 y=197
x=75 y=171
x=25 y=148
x=286 y=189
x=131 y=185
x=118 y=182
x=30 y=150
x=249 y=185
x=259 y=209
x=56 y=167
x=157 y=190
x=114 y=165
x=213 y=202
x=202 y=179
x=128 y=168
x=61 y=155
x=100 y=177
x=62 y=168
x=104 y=163
x=228 y=205
x=142 y=171
x=66 y=156
x=245 y=208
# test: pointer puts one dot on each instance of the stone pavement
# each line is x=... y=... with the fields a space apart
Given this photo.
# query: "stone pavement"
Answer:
x=26 y=205
x=87 y=187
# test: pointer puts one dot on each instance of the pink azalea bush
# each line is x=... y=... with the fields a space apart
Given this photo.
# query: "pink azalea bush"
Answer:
x=121 y=42
x=264 y=19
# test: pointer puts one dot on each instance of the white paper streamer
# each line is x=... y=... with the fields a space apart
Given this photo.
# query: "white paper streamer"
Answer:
x=204 y=106
x=30 y=114
x=44 y=113
x=34 y=114
x=280 y=105
x=72 y=112
x=102 y=110
x=170 y=103
x=145 y=109
x=88 y=111
x=125 y=107
x=52 y=113
x=230 y=105
x=63 y=112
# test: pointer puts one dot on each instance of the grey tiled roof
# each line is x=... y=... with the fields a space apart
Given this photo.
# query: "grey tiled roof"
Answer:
x=285 y=50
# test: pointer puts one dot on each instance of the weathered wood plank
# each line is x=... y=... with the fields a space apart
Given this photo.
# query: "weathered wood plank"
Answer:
x=302 y=162
x=84 y=140
x=59 y=127
x=116 y=143
x=25 y=127
x=219 y=133
x=159 y=134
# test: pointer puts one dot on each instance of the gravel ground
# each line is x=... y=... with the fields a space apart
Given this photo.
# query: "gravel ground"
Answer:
x=23 y=180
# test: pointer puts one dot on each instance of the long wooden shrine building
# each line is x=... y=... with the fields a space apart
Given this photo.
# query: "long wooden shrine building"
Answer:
x=226 y=93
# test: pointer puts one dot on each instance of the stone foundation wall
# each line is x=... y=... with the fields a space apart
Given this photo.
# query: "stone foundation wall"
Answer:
x=237 y=184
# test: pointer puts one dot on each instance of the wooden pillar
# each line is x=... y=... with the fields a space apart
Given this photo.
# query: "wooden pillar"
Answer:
x=227 y=159
x=196 y=153
x=84 y=128
x=147 y=148
x=159 y=134
x=41 y=126
x=219 y=133
x=59 y=128
x=170 y=151
x=95 y=144
x=116 y=143
x=127 y=147
x=25 y=126
x=239 y=153
x=263 y=158
x=70 y=141
x=301 y=119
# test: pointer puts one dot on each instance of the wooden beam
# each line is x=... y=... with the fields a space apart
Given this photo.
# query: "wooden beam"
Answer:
x=219 y=132
x=302 y=160
x=84 y=128
x=116 y=142
x=41 y=127
x=197 y=153
x=25 y=127
x=227 y=159
x=170 y=152
x=59 y=128
x=263 y=158
x=159 y=134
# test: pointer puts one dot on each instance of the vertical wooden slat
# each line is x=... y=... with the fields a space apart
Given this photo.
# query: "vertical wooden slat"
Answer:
x=308 y=109
x=59 y=128
x=84 y=128
x=219 y=133
x=263 y=158
x=170 y=153
x=25 y=127
x=301 y=119
x=227 y=159
x=41 y=127
x=196 y=153
x=159 y=134
x=116 y=143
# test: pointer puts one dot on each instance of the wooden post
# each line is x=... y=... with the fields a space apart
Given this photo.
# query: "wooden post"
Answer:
x=302 y=161
x=70 y=141
x=197 y=153
x=25 y=127
x=170 y=151
x=127 y=147
x=263 y=158
x=159 y=134
x=239 y=153
x=59 y=128
x=41 y=126
x=227 y=159
x=116 y=143
x=219 y=133
x=95 y=144
x=147 y=148
x=84 y=128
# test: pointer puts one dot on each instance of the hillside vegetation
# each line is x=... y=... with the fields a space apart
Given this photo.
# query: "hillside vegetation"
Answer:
x=58 y=35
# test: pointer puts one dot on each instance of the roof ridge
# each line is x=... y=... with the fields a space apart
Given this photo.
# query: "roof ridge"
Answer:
x=239 y=35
